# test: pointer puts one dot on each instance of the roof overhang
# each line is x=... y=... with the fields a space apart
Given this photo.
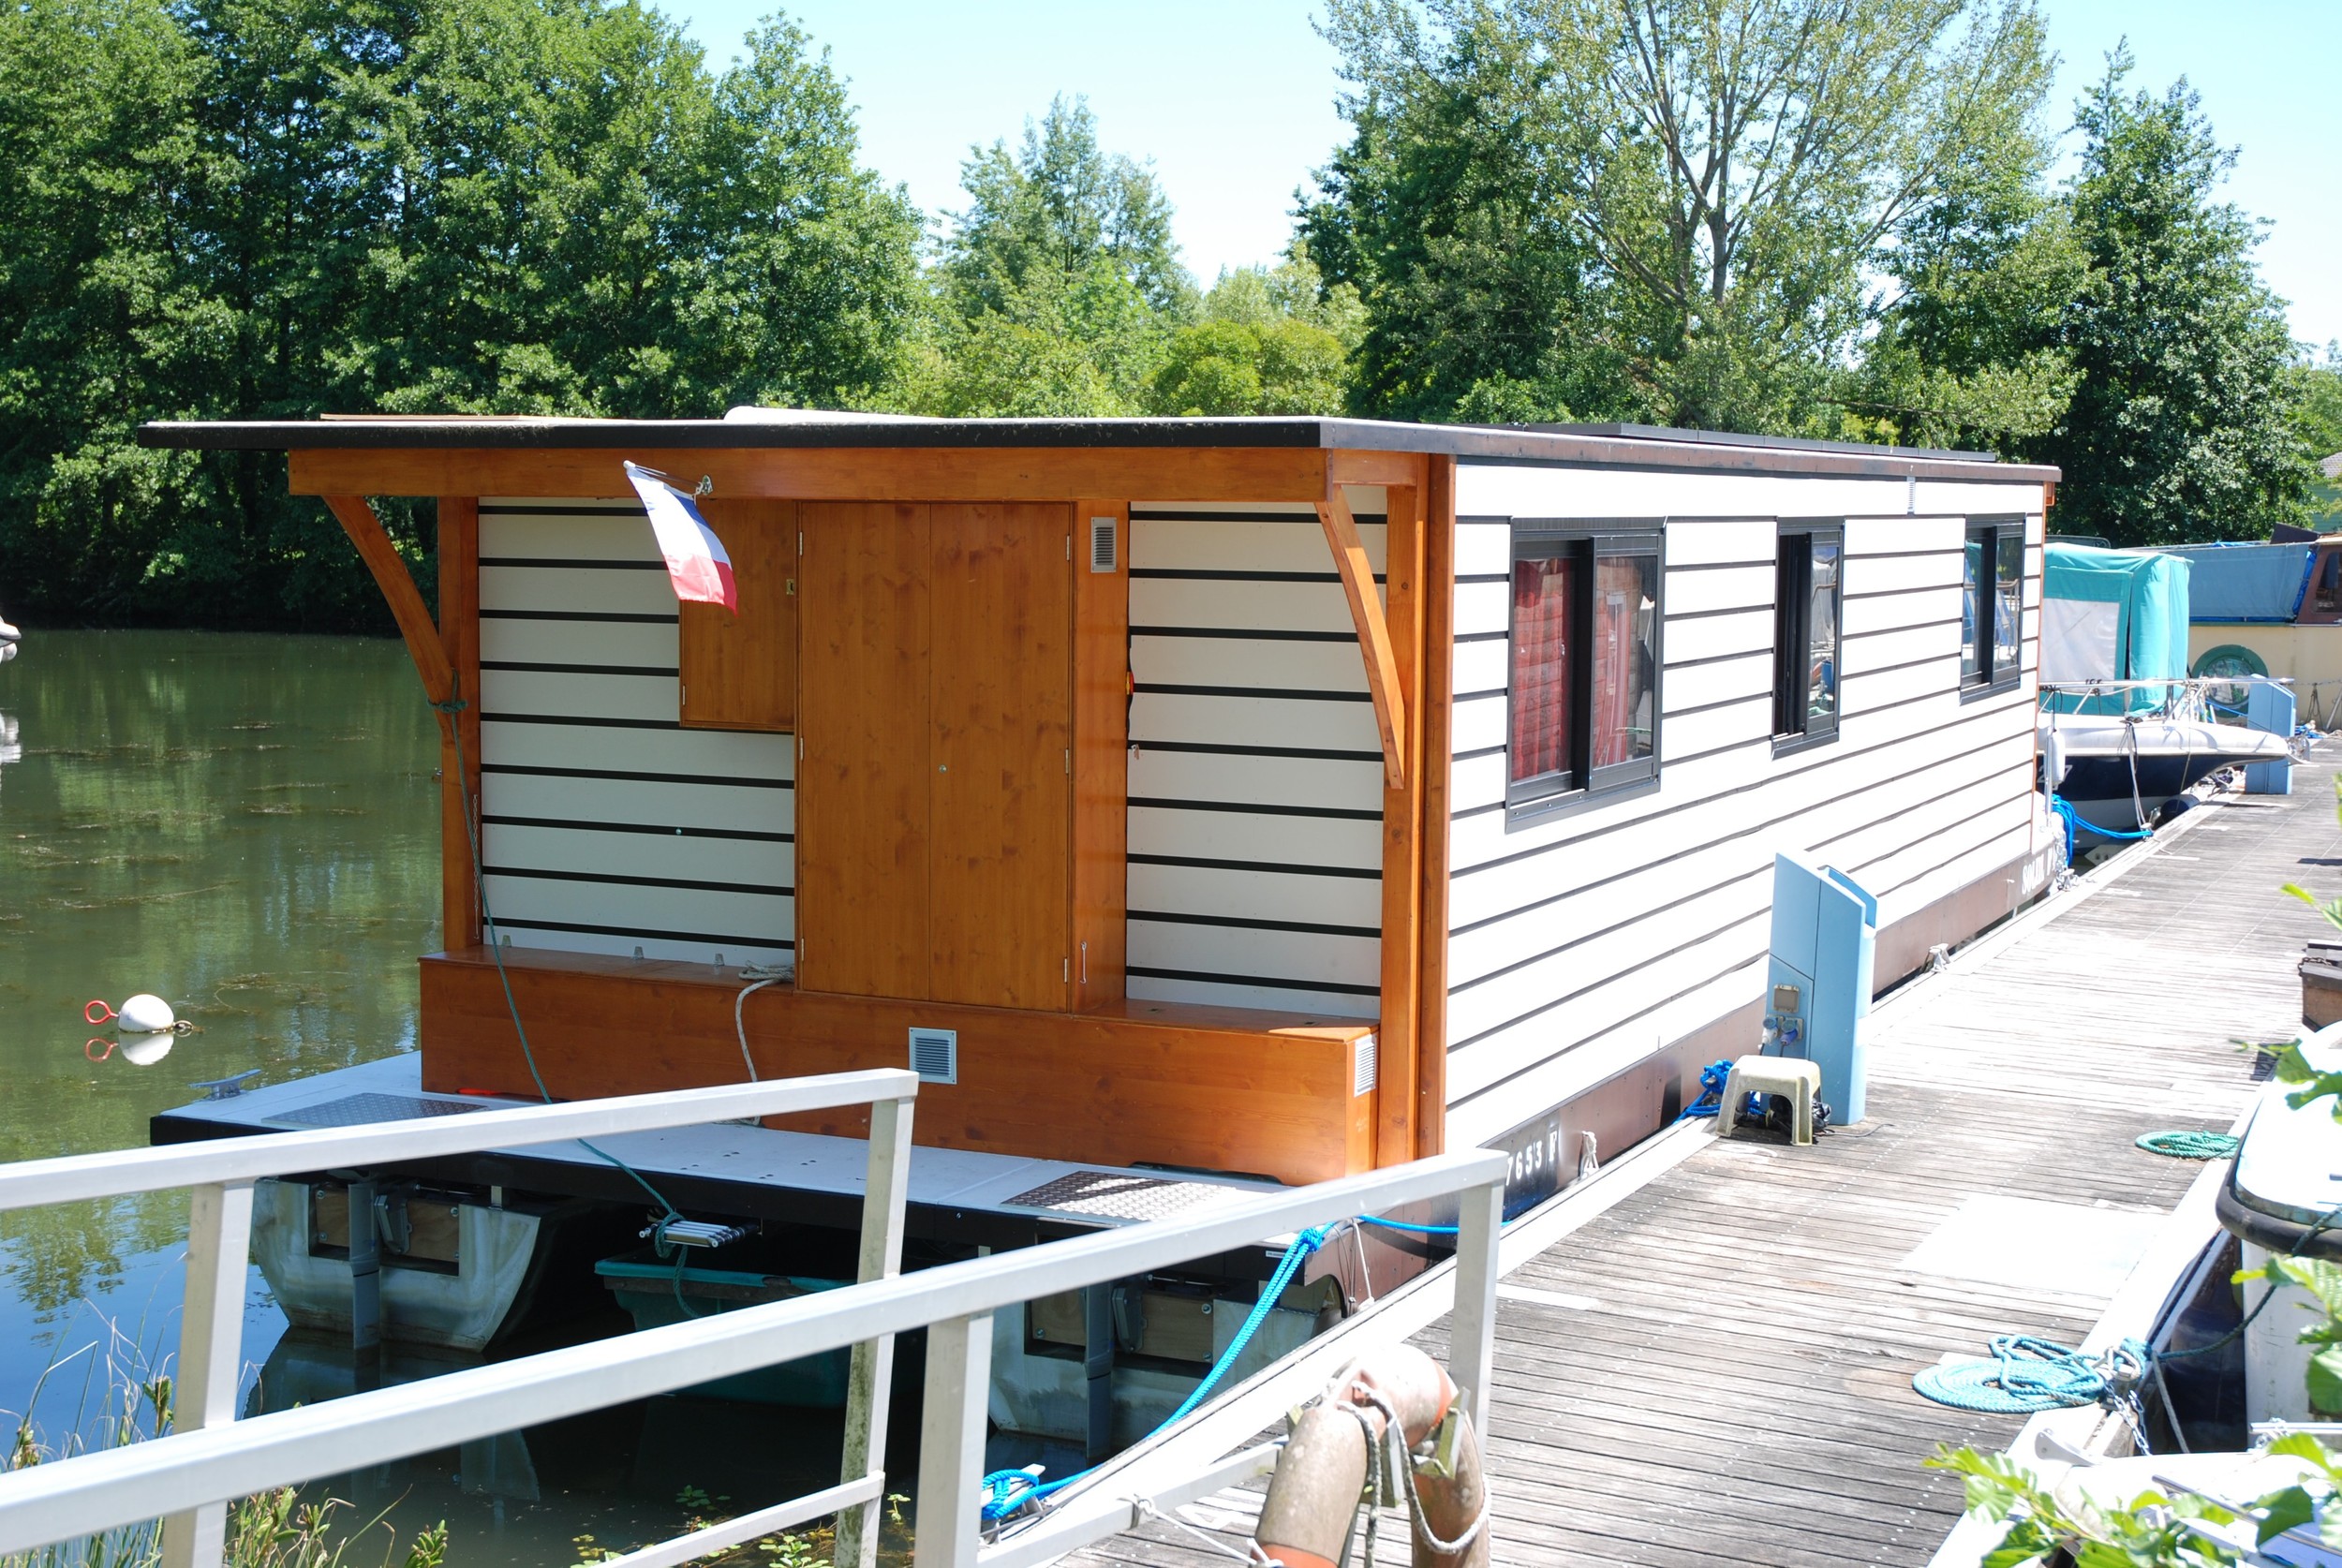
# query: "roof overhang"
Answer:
x=845 y=457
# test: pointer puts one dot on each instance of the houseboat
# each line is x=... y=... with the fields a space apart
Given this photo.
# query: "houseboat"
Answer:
x=2271 y=609
x=1195 y=804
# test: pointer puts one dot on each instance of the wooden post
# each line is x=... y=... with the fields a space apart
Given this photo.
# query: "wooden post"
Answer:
x=390 y=575
x=1397 y=1033
x=459 y=636
x=1366 y=612
x=1434 y=731
x=1101 y=762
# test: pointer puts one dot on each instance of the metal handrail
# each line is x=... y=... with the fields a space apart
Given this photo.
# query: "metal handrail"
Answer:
x=184 y=1472
x=220 y=1174
x=121 y=1173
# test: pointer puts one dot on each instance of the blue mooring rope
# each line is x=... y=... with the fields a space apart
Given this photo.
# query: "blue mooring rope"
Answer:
x=1007 y=1490
x=2025 y=1375
x=1712 y=1078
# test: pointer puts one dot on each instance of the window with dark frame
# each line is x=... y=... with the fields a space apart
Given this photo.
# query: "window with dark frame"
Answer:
x=1991 y=605
x=1584 y=676
x=1807 y=585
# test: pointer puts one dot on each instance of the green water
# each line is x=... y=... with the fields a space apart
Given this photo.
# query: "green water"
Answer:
x=245 y=826
x=249 y=827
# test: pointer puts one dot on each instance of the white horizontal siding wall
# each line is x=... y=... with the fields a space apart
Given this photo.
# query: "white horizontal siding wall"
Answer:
x=1581 y=944
x=606 y=827
x=1256 y=774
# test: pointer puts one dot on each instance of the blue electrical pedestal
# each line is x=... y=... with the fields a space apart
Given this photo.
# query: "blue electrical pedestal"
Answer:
x=2269 y=708
x=1824 y=926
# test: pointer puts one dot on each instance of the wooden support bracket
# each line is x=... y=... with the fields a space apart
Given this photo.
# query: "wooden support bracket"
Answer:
x=381 y=557
x=1366 y=613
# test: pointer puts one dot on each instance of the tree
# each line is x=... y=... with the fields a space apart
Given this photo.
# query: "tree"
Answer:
x=2181 y=426
x=2317 y=397
x=1272 y=341
x=1060 y=205
x=1057 y=286
x=100 y=324
x=1967 y=349
x=1684 y=199
x=229 y=208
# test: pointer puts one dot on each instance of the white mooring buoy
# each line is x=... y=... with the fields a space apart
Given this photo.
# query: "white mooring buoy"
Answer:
x=146 y=1015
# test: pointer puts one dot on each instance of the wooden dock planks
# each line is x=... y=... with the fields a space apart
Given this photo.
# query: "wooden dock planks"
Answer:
x=1739 y=1392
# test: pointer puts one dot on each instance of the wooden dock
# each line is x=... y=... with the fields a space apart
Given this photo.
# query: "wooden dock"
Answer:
x=1717 y=1369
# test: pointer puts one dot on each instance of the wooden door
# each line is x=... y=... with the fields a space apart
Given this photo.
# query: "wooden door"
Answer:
x=1001 y=706
x=864 y=775
x=740 y=672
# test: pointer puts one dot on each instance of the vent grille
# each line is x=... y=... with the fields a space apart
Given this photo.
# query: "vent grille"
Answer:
x=1362 y=1066
x=935 y=1055
x=1104 y=545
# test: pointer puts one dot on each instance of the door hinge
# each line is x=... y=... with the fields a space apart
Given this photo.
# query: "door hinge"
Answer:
x=1069 y=971
x=1069 y=762
x=1069 y=547
x=800 y=542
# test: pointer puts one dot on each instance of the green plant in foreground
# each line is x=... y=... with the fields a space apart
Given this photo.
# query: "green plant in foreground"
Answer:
x=269 y=1530
x=2155 y=1530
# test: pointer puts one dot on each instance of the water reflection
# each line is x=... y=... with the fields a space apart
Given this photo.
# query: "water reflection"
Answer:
x=244 y=825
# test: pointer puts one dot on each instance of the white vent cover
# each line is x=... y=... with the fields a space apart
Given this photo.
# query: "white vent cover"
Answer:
x=1103 y=549
x=1362 y=1065
x=935 y=1055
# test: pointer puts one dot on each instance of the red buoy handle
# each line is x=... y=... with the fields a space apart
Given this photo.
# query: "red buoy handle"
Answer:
x=100 y=1054
x=98 y=1013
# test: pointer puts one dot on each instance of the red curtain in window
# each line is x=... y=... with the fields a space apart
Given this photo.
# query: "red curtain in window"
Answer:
x=1541 y=683
x=1622 y=610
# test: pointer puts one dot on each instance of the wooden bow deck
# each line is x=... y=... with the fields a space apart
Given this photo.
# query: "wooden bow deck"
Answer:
x=1717 y=1369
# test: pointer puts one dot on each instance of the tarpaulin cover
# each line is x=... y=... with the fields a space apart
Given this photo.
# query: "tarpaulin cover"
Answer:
x=2112 y=614
x=2242 y=582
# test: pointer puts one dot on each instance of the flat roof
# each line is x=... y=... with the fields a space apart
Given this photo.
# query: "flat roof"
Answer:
x=1593 y=446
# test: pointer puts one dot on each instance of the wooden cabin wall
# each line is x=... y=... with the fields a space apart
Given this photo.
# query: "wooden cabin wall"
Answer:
x=605 y=825
x=1584 y=943
x=1254 y=770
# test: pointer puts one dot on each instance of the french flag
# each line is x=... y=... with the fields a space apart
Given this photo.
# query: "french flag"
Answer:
x=696 y=562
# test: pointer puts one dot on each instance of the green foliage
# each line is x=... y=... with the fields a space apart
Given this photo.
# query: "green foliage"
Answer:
x=2181 y=426
x=1272 y=341
x=2323 y=1280
x=1060 y=204
x=1057 y=287
x=2153 y=1531
x=1654 y=212
x=219 y=208
x=2317 y=398
x=274 y=1529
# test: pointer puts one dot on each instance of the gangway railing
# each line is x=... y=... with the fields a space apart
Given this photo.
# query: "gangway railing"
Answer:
x=220 y=1174
x=203 y=1469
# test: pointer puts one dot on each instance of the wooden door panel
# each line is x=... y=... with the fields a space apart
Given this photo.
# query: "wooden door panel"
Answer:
x=864 y=790
x=740 y=672
x=1002 y=701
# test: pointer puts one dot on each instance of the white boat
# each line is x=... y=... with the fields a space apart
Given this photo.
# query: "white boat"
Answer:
x=10 y=637
x=2118 y=773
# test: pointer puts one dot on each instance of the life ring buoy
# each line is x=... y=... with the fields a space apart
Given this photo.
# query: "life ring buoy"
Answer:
x=1389 y=1422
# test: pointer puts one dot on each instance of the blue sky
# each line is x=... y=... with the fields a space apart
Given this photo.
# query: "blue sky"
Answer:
x=1232 y=99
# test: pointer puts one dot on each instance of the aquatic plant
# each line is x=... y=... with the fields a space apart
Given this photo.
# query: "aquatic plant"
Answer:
x=787 y=1548
x=276 y=1529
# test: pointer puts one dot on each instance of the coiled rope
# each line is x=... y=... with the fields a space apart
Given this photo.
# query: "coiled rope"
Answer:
x=2025 y=1375
x=2182 y=1144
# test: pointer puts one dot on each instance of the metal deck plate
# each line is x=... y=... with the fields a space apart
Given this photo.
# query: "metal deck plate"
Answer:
x=1120 y=1195
x=357 y=1110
